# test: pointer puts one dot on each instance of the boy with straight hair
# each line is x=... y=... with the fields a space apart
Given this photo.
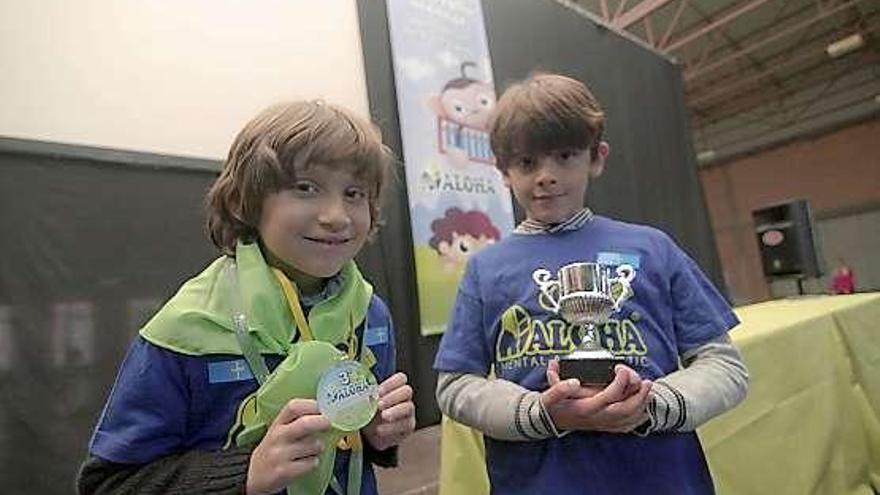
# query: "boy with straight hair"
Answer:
x=546 y=435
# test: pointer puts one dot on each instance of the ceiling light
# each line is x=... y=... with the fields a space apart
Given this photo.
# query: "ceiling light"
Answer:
x=705 y=156
x=845 y=45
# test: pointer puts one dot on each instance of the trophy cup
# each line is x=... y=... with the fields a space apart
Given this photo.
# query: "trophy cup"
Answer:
x=586 y=294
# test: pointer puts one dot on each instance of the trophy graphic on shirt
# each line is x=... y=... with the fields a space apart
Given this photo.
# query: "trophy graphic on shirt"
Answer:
x=586 y=295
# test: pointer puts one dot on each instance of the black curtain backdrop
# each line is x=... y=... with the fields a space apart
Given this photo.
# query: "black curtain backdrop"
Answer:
x=92 y=242
x=651 y=177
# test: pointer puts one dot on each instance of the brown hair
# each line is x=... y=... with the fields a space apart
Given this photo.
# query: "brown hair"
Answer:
x=264 y=157
x=544 y=113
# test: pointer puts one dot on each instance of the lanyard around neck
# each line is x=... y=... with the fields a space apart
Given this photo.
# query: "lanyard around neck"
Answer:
x=351 y=440
x=293 y=302
x=292 y=297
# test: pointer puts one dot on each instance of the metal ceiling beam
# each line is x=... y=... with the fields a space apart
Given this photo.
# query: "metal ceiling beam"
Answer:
x=815 y=76
x=637 y=13
x=869 y=26
x=720 y=51
x=688 y=76
x=748 y=103
x=594 y=18
x=813 y=49
x=620 y=7
x=673 y=23
x=844 y=84
x=855 y=103
x=649 y=30
x=735 y=12
x=702 y=57
x=764 y=116
x=775 y=101
x=731 y=44
x=717 y=92
x=829 y=120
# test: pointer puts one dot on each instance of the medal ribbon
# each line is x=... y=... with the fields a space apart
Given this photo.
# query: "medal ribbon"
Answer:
x=350 y=440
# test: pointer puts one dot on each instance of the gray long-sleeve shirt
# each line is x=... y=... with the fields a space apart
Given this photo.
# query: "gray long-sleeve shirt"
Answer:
x=712 y=379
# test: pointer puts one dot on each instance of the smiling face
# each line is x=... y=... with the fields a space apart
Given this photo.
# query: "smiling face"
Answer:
x=312 y=228
x=551 y=186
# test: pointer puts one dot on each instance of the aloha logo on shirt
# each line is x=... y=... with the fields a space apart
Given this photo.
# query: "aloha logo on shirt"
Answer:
x=527 y=341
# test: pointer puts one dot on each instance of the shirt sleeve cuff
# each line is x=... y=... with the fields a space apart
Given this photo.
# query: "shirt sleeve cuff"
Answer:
x=549 y=428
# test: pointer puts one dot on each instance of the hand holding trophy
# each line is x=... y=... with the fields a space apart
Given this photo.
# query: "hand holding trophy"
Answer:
x=586 y=294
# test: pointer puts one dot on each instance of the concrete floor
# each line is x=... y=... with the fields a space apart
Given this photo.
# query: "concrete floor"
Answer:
x=418 y=473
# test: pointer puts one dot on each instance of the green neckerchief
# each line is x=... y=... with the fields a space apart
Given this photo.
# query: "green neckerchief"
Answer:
x=198 y=319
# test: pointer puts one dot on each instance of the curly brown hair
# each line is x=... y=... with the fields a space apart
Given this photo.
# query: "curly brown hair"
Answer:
x=265 y=155
x=545 y=113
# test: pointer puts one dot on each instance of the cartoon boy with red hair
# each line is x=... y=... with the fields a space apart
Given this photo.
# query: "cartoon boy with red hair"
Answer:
x=460 y=234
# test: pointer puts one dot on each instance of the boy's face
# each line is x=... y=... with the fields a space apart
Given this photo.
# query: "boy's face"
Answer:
x=314 y=227
x=551 y=187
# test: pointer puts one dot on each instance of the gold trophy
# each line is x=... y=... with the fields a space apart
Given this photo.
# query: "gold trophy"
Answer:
x=586 y=295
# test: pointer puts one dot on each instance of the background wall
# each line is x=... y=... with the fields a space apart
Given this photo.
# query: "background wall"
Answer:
x=91 y=247
x=165 y=76
x=838 y=173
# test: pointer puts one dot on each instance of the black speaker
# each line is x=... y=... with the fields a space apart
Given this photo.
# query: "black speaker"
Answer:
x=785 y=238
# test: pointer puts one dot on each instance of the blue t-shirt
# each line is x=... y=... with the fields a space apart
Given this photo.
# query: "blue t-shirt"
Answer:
x=500 y=322
x=164 y=402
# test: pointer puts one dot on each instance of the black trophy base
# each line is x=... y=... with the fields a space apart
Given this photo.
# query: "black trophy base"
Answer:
x=589 y=367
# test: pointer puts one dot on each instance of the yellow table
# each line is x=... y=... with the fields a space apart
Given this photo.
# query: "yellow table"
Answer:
x=811 y=421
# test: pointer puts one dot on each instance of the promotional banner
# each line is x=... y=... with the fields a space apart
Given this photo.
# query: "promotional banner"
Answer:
x=445 y=94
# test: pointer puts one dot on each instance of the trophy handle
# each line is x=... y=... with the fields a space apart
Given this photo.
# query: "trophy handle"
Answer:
x=625 y=274
x=545 y=282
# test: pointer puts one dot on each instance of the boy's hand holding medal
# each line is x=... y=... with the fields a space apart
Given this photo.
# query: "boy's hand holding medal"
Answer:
x=290 y=448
